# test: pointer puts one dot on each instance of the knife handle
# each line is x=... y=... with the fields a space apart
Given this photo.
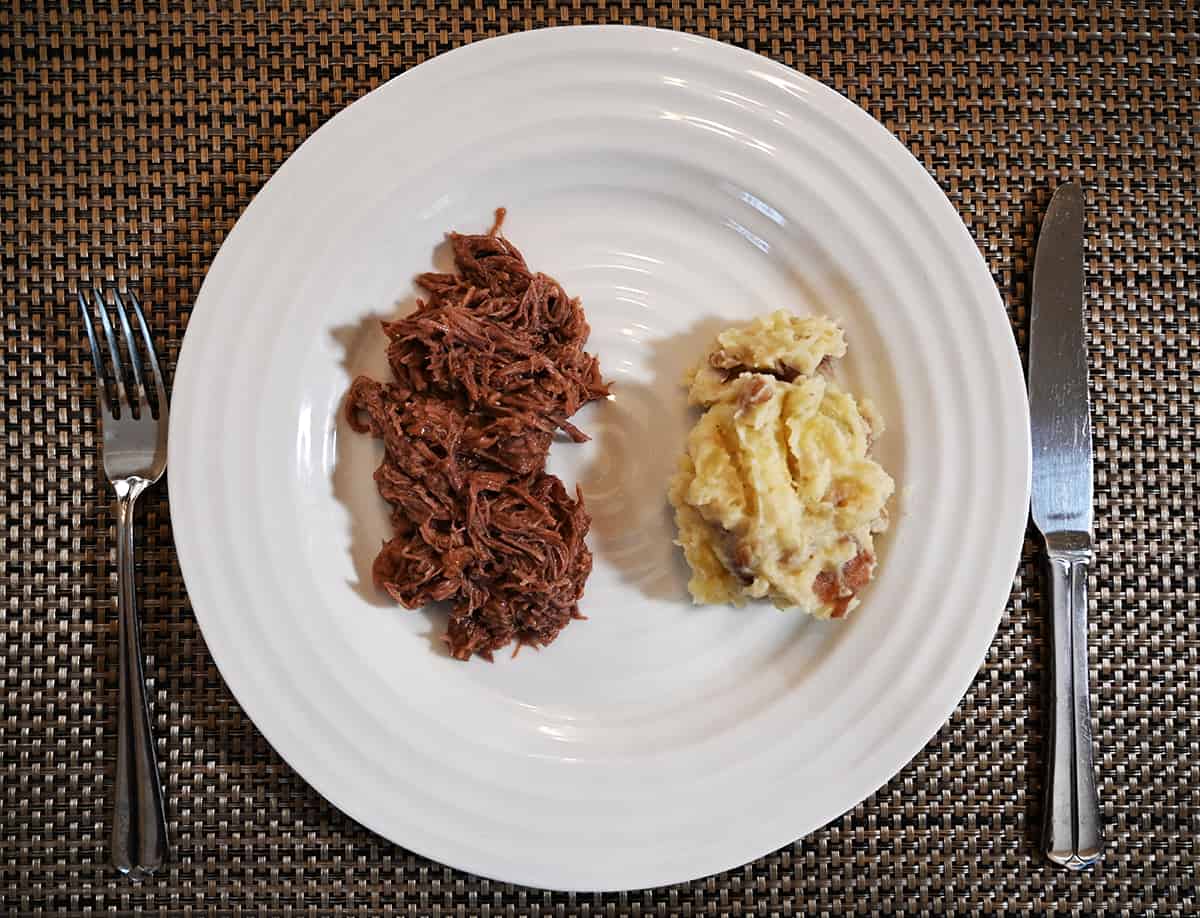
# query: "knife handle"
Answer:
x=1072 y=831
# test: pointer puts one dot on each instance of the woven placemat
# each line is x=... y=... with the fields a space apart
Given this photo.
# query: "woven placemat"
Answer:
x=131 y=137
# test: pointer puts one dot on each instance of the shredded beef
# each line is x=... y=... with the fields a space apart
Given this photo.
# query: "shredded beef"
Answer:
x=486 y=370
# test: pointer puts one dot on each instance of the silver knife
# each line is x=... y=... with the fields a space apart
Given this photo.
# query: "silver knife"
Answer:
x=1062 y=511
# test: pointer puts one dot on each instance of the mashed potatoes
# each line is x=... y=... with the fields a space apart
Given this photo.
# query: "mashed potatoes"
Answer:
x=776 y=497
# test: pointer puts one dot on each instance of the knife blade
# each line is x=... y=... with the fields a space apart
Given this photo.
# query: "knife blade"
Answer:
x=1059 y=413
x=1061 y=505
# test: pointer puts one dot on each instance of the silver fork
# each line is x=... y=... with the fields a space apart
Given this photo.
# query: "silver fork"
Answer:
x=135 y=456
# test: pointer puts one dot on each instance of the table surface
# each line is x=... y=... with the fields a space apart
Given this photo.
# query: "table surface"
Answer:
x=133 y=134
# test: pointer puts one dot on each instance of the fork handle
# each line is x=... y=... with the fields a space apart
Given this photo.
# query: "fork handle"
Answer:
x=139 y=834
x=1072 y=829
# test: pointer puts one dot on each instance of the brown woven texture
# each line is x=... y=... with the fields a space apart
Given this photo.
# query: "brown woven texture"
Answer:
x=131 y=137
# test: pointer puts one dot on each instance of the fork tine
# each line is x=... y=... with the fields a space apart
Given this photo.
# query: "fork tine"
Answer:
x=131 y=345
x=97 y=363
x=113 y=351
x=160 y=387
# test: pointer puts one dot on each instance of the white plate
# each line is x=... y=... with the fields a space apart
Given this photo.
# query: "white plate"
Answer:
x=677 y=185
